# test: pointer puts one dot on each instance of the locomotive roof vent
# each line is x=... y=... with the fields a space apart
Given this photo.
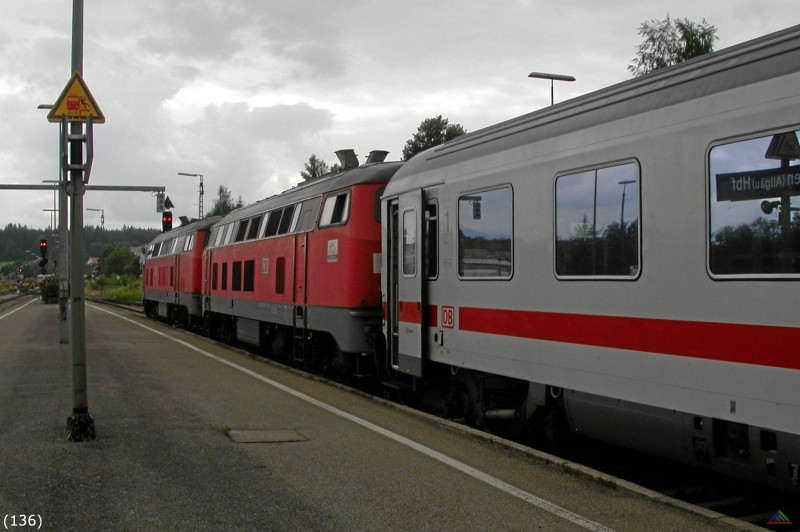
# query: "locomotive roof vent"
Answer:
x=347 y=159
x=377 y=156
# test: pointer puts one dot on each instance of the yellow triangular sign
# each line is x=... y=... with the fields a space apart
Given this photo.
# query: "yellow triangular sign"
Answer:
x=76 y=104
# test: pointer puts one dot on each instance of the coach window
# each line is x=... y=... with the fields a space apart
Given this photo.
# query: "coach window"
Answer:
x=336 y=210
x=410 y=243
x=431 y=240
x=249 y=275
x=754 y=226
x=485 y=234
x=280 y=275
x=597 y=223
x=236 y=279
x=255 y=223
x=224 y=278
x=214 y=276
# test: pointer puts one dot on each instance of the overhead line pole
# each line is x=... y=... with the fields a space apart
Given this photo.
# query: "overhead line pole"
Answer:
x=80 y=424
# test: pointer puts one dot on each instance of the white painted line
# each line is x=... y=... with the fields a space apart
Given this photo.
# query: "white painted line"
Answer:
x=460 y=466
x=18 y=309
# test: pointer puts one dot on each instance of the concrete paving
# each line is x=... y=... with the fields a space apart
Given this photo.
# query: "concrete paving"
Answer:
x=192 y=435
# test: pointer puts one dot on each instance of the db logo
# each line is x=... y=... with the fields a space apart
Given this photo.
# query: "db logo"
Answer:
x=448 y=317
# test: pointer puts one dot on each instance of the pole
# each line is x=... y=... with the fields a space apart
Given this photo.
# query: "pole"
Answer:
x=80 y=424
x=63 y=256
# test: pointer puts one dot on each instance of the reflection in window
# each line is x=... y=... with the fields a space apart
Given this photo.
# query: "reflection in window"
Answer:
x=410 y=243
x=485 y=234
x=597 y=222
x=754 y=184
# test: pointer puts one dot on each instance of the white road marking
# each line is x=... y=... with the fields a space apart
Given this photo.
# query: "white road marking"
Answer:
x=460 y=466
x=18 y=309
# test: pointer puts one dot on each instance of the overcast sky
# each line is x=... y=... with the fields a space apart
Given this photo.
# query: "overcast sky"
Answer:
x=244 y=91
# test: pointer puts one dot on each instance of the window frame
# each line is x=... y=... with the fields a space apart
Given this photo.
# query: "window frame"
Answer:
x=730 y=141
x=596 y=168
x=471 y=192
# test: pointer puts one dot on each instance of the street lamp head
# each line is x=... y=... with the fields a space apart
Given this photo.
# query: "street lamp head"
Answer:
x=552 y=78
x=556 y=77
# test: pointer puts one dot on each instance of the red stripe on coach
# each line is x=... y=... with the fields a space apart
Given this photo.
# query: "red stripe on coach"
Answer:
x=747 y=344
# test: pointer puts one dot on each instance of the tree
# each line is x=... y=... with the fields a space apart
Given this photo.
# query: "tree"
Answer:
x=224 y=202
x=315 y=167
x=118 y=260
x=431 y=132
x=667 y=42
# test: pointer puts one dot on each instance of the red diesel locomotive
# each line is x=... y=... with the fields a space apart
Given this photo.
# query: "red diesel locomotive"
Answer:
x=296 y=275
x=172 y=274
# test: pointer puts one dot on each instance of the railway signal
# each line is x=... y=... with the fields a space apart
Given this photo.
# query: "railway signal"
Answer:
x=166 y=221
x=43 y=251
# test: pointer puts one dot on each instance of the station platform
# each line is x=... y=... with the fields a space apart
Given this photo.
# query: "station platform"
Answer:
x=194 y=435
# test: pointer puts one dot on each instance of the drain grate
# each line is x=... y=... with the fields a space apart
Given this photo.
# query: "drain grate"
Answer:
x=265 y=436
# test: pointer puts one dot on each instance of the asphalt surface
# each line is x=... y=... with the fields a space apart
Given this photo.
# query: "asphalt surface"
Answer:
x=192 y=435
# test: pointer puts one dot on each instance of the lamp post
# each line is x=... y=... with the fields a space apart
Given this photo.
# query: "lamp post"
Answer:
x=62 y=262
x=624 y=184
x=54 y=210
x=552 y=78
x=200 y=192
x=102 y=216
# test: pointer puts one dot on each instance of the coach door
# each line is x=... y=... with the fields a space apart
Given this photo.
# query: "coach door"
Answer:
x=406 y=310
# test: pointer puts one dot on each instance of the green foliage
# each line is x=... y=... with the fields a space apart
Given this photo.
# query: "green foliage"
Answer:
x=315 y=167
x=667 y=42
x=431 y=132
x=224 y=202
x=17 y=240
x=117 y=287
x=118 y=260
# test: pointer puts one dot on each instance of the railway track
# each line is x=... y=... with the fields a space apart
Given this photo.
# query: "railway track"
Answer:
x=746 y=501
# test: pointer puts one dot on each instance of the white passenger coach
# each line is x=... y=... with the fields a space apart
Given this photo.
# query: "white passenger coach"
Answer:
x=624 y=265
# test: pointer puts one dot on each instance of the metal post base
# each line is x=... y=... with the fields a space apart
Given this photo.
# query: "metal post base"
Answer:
x=80 y=426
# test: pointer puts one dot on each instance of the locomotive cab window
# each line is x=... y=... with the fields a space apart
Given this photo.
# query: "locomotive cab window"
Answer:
x=485 y=234
x=597 y=223
x=753 y=192
x=336 y=210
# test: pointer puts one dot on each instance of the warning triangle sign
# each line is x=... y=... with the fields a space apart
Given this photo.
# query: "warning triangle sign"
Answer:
x=783 y=146
x=76 y=104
